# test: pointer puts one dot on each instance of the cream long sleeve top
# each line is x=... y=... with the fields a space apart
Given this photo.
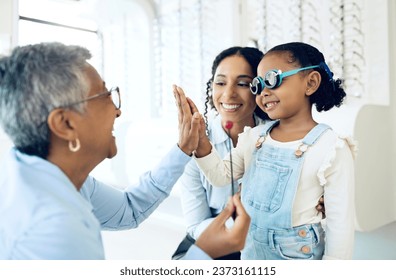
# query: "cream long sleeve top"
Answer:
x=328 y=169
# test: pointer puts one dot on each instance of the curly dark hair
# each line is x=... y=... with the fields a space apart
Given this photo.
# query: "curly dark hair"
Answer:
x=252 y=55
x=330 y=92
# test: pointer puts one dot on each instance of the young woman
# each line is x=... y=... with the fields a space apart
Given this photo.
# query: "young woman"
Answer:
x=228 y=95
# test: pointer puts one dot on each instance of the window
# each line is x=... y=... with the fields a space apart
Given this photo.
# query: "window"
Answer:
x=59 y=21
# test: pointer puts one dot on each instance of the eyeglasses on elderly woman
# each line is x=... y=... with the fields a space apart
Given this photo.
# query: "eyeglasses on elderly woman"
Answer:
x=113 y=92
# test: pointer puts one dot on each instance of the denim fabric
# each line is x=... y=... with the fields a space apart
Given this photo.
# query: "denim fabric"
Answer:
x=269 y=188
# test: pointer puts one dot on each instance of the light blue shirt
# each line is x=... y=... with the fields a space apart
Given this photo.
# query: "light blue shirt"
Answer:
x=43 y=216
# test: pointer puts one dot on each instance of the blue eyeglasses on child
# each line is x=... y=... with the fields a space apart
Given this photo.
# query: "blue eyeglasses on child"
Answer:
x=273 y=79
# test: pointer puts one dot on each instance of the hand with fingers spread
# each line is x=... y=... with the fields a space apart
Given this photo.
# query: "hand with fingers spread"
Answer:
x=218 y=240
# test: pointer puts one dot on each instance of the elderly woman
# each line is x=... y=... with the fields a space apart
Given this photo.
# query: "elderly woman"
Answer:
x=60 y=114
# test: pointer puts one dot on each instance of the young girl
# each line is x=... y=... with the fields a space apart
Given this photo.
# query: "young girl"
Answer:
x=288 y=163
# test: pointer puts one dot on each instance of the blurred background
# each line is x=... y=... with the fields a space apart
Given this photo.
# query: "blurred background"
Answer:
x=145 y=46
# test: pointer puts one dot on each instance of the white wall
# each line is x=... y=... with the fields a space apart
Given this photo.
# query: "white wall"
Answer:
x=375 y=127
x=392 y=74
x=369 y=120
x=8 y=10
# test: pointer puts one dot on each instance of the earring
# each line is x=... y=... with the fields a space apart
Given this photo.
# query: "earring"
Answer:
x=76 y=147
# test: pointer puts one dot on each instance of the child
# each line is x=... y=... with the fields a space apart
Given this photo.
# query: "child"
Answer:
x=287 y=164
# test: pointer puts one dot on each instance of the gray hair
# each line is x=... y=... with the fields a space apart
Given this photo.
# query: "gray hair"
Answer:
x=34 y=80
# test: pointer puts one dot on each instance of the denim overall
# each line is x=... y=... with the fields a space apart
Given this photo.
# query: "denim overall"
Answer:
x=268 y=190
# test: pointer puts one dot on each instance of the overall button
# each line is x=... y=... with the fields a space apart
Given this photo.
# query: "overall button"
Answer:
x=302 y=233
x=260 y=142
x=305 y=249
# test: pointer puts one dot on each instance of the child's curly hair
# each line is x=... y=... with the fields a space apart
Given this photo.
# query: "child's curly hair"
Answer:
x=330 y=92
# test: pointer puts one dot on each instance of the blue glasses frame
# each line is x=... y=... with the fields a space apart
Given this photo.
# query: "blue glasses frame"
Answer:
x=273 y=79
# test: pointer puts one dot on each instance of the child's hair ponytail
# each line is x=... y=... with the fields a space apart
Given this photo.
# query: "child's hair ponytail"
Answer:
x=330 y=92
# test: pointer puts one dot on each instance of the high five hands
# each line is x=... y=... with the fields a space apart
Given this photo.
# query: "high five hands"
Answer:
x=191 y=122
x=192 y=129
